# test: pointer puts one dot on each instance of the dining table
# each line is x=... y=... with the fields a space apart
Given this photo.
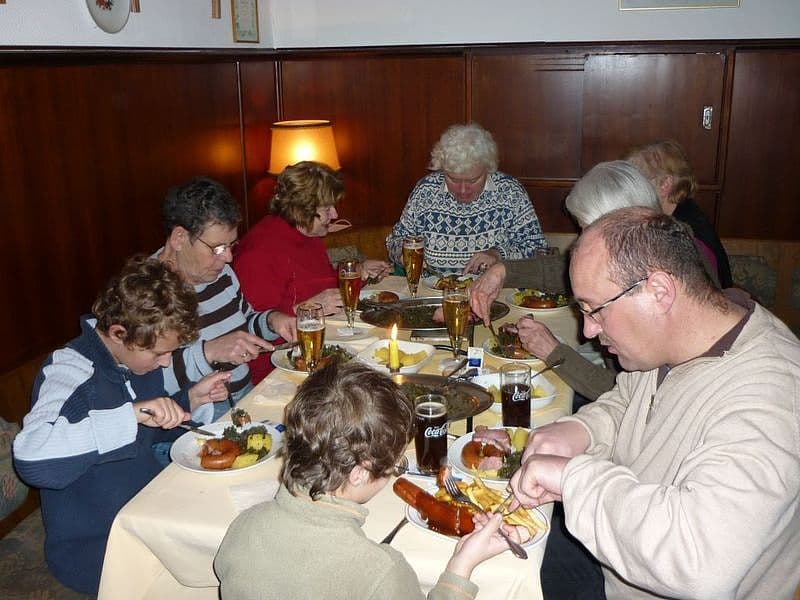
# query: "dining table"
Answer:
x=163 y=542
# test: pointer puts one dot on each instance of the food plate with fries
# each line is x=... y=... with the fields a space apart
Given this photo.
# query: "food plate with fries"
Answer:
x=489 y=498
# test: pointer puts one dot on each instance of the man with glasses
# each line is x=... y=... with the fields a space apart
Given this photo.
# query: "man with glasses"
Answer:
x=201 y=219
x=469 y=213
x=683 y=480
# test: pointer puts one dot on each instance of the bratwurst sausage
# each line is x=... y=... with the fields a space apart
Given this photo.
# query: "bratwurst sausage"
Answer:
x=441 y=516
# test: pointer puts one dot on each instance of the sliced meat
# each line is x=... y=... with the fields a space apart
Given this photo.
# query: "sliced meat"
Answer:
x=496 y=437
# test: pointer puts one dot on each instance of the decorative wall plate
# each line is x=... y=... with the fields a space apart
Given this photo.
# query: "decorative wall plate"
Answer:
x=110 y=15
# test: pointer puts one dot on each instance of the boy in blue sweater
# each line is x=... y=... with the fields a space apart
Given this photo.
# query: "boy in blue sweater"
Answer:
x=86 y=442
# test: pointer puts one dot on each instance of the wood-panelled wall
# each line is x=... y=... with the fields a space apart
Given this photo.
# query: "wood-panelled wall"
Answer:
x=90 y=141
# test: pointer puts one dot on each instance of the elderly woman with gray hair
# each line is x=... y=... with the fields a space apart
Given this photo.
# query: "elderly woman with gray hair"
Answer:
x=470 y=214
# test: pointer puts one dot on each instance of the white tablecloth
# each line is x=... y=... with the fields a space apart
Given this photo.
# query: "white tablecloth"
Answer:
x=163 y=542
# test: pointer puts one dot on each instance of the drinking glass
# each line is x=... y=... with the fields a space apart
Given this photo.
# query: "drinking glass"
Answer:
x=311 y=332
x=455 y=305
x=515 y=390
x=430 y=425
x=413 y=257
x=350 y=287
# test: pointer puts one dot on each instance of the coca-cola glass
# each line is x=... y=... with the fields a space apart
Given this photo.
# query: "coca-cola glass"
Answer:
x=515 y=390
x=430 y=424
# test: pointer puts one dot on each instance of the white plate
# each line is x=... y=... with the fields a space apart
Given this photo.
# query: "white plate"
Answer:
x=454 y=458
x=280 y=358
x=431 y=280
x=487 y=381
x=509 y=299
x=341 y=332
x=110 y=18
x=487 y=347
x=184 y=452
x=413 y=516
x=367 y=355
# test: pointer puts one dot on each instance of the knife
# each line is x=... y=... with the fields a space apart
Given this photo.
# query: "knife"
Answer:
x=284 y=346
x=147 y=411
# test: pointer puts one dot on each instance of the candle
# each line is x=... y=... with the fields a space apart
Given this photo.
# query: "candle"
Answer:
x=394 y=351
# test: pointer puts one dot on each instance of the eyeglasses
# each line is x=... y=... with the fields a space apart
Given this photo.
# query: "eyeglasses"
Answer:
x=219 y=249
x=460 y=181
x=591 y=313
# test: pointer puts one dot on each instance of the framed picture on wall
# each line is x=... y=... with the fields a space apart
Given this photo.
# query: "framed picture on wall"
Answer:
x=665 y=4
x=244 y=17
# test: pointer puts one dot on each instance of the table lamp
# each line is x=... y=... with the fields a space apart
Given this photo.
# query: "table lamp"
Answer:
x=295 y=141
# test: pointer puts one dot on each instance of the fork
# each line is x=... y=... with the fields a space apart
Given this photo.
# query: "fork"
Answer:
x=456 y=494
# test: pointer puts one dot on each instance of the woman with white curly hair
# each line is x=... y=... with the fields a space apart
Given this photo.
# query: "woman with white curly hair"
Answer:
x=470 y=214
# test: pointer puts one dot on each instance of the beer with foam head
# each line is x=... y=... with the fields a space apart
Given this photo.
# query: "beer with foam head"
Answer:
x=311 y=332
x=413 y=258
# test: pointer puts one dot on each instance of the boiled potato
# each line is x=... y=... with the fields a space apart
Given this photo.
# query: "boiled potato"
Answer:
x=519 y=439
x=495 y=392
x=406 y=359
x=538 y=392
x=259 y=441
x=244 y=460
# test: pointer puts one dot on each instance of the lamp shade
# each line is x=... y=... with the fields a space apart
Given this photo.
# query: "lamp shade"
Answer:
x=295 y=141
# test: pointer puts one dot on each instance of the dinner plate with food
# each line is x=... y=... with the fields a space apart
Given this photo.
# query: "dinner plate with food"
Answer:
x=537 y=301
x=432 y=509
x=454 y=281
x=508 y=346
x=493 y=454
x=412 y=355
x=367 y=298
x=233 y=449
x=542 y=391
x=291 y=360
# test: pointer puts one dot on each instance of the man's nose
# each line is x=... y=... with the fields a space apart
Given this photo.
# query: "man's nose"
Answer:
x=591 y=328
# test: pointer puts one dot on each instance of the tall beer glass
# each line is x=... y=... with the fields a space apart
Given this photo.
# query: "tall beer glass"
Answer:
x=413 y=257
x=350 y=287
x=455 y=305
x=515 y=390
x=430 y=425
x=311 y=332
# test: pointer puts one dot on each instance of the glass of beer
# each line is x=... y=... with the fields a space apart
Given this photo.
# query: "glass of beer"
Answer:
x=515 y=391
x=413 y=257
x=311 y=332
x=350 y=287
x=455 y=305
x=430 y=425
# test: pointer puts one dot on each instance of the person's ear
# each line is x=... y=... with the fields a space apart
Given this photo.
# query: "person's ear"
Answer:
x=359 y=476
x=662 y=286
x=665 y=185
x=117 y=334
x=178 y=238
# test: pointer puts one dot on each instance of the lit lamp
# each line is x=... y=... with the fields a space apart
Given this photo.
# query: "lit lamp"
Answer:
x=295 y=141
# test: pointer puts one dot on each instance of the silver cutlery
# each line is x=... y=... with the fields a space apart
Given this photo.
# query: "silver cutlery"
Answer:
x=147 y=411
x=452 y=488
x=390 y=536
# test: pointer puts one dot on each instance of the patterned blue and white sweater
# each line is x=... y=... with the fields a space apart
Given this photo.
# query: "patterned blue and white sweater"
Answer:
x=501 y=217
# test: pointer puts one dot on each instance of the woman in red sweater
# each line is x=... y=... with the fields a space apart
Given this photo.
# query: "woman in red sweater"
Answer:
x=282 y=261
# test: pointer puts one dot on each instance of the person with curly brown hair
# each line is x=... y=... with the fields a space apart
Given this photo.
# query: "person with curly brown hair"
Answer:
x=87 y=443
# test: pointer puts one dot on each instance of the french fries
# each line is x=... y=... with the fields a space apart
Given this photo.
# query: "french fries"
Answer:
x=489 y=499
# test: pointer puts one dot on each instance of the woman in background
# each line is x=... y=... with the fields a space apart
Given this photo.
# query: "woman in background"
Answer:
x=282 y=261
x=470 y=214
x=665 y=164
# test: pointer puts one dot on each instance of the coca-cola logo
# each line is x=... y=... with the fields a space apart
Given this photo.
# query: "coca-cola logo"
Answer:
x=521 y=395
x=435 y=432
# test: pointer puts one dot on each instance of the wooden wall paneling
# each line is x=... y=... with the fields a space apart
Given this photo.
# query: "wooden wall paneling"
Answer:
x=633 y=99
x=760 y=196
x=387 y=112
x=259 y=110
x=533 y=105
x=88 y=152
